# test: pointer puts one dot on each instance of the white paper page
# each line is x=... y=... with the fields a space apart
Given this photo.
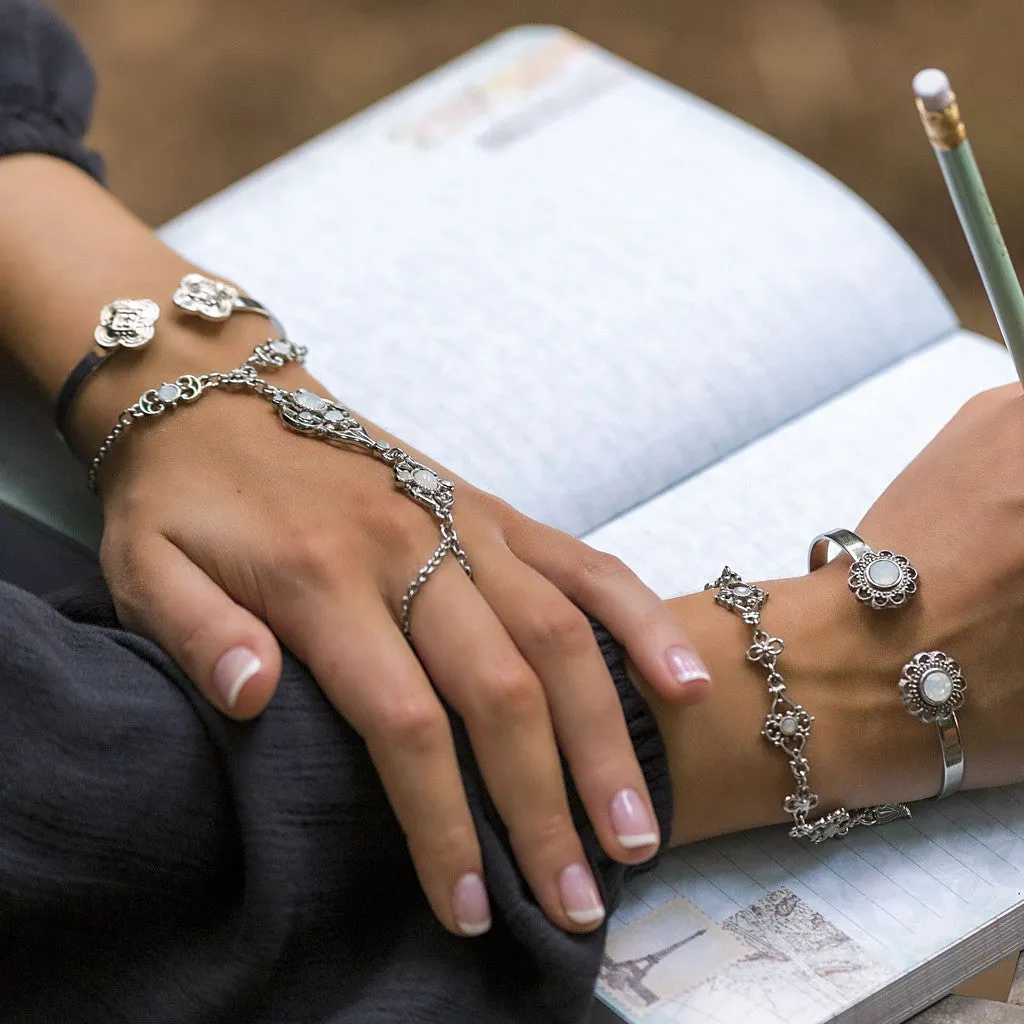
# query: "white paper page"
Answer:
x=565 y=279
x=823 y=926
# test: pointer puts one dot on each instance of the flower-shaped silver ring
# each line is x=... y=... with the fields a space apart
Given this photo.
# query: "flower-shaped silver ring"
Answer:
x=932 y=688
x=881 y=579
x=127 y=323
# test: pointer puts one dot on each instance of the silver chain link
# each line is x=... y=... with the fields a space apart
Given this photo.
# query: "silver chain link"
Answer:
x=788 y=725
x=316 y=417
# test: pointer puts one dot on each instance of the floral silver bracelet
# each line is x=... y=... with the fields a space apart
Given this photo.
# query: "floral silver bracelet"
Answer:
x=787 y=725
x=310 y=414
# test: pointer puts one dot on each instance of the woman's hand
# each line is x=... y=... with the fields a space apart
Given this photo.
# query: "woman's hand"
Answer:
x=226 y=532
x=957 y=511
x=224 y=529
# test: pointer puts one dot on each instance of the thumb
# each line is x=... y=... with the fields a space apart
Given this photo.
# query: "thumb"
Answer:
x=231 y=656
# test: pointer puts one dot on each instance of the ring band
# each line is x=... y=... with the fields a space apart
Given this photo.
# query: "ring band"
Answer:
x=881 y=579
x=932 y=688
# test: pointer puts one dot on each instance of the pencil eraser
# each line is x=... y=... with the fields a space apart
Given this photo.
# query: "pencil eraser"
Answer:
x=932 y=88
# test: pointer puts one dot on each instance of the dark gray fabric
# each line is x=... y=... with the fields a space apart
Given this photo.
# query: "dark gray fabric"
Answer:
x=46 y=86
x=159 y=863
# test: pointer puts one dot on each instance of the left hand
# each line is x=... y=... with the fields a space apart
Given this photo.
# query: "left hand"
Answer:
x=226 y=531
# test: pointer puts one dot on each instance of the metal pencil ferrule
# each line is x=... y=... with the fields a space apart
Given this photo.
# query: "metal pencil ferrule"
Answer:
x=945 y=128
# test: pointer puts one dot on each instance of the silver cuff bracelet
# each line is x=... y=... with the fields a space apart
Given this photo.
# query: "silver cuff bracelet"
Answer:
x=932 y=688
x=131 y=324
x=881 y=579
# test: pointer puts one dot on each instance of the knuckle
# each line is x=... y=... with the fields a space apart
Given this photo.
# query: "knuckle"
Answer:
x=313 y=555
x=192 y=644
x=398 y=529
x=599 y=568
x=445 y=845
x=545 y=834
x=512 y=694
x=125 y=572
x=415 y=724
x=561 y=627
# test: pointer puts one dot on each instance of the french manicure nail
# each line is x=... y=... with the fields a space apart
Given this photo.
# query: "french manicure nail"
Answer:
x=632 y=820
x=580 y=898
x=685 y=666
x=233 y=670
x=470 y=906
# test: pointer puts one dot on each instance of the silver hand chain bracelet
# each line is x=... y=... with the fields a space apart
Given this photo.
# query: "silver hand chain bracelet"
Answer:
x=309 y=414
x=788 y=725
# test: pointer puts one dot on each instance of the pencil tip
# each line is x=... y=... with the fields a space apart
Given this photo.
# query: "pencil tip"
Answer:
x=932 y=88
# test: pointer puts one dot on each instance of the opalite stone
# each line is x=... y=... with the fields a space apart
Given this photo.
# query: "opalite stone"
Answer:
x=936 y=686
x=334 y=416
x=280 y=347
x=168 y=393
x=884 y=573
x=742 y=590
x=310 y=401
x=788 y=726
x=426 y=479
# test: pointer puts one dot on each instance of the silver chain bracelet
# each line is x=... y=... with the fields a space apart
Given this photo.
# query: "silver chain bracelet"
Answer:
x=788 y=725
x=310 y=414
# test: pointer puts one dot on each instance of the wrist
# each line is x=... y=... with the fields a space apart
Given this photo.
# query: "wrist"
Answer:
x=183 y=344
x=863 y=749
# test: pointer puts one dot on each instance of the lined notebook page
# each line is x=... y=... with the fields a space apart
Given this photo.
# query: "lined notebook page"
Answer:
x=571 y=283
x=819 y=927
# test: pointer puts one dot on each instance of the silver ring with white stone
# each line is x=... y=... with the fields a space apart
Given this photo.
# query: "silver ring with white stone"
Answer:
x=932 y=688
x=881 y=579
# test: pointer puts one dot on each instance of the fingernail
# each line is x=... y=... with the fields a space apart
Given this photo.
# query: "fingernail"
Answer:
x=685 y=666
x=580 y=897
x=233 y=670
x=632 y=820
x=470 y=906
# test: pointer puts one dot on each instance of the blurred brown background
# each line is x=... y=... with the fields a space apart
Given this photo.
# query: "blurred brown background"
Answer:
x=196 y=93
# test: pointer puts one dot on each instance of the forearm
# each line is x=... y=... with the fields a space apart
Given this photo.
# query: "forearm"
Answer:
x=68 y=248
x=841 y=664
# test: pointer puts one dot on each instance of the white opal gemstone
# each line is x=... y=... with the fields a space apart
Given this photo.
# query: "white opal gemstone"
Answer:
x=788 y=726
x=936 y=686
x=426 y=479
x=280 y=346
x=884 y=573
x=334 y=416
x=168 y=393
x=310 y=401
x=741 y=590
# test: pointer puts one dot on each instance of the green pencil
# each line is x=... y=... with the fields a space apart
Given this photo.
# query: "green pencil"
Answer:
x=940 y=114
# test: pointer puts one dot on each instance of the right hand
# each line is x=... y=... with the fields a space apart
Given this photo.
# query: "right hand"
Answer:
x=957 y=511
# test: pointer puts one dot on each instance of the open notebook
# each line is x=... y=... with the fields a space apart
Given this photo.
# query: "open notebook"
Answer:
x=644 y=322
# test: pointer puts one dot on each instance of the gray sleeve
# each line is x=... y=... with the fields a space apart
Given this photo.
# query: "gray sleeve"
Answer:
x=46 y=86
x=160 y=863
